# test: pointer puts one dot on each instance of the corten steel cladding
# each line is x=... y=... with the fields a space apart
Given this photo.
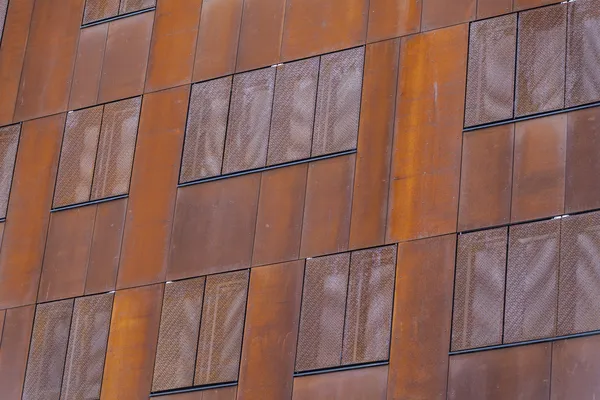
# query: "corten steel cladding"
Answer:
x=579 y=277
x=88 y=339
x=9 y=139
x=178 y=335
x=100 y=9
x=491 y=66
x=541 y=60
x=532 y=281
x=368 y=322
x=575 y=368
x=222 y=327
x=78 y=157
x=205 y=130
x=479 y=289
x=322 y=312
x=128 y=6
x=48 y=350
x=293 y=111
x=115 y=148
x=338 y=102
x=583 y=53
x=249 y=120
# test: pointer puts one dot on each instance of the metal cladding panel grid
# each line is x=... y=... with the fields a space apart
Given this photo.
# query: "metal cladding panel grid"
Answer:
x=205 y=130
x=532 y=281
x=48 y=350
x=368 y=321
x=128 y=6
x=100 y=9
x=320 y=336
x=249 y=120
x=293 y=111
x=583 y=53
x=222 y=327
x=579 y=278
x=479 y=289
x=78 y=156
x=491 y=66
x=338 y=102
x=87 y=347
x=116 y=148
x=178 y=334
x=9 y=140
x=541 y=60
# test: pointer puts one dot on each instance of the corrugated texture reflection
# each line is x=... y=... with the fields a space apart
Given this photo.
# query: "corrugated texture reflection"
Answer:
x=583 y=53
x=532 y=281
x=9 y=140
x=541 y=60
x=48 y=350
x=338 y=102
x=205 y=130
x=293 y=111
x=220 y=342
x=116 y=148
x=78 y=157
x=178 y=335
x=100 y=9
x=322 y=314
x=369 y=306
x=87 y=347
x=491 y=66
x=249 y=120
x=579 y=277
x=479 y=289
x=135 y=5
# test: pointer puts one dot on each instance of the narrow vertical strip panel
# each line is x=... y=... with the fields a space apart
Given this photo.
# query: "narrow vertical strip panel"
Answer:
x=132 y=342
x=218 y=34
x=48 y=350
x=541 y=60
x=338 y=101
x=368 y=323
x=583 y=51
x=100 y=9
x=425 y=175
x=78 y=157
x=375 y=134
x=9 y=140
x=513 y=373
x=2 y=317
x=153 y=188
x=115 y=148
x=28 y=210
x=575 y=368
x=205 y=130
x=261 y=33
x=532 y=281
x=128 y=6
x=67 y=253
x=478 y=310
x=486 y=177
x=49 y=59
x=322 y=314
x=293 y=111
x=213 y=228
x=12 y=54
x=578 y=299
x=88 y=339
x=327 y=209
x=173 y=44
x=178 y=335
x=539 y=168
x=440 y=13
x=14 y=350
x=422 y=319
x=3 y=12
x=222 y=327
x=271 y=332
x=393 y=18
x=106 y=247
x=88 y=66
x=491 y=66
x=249 y=120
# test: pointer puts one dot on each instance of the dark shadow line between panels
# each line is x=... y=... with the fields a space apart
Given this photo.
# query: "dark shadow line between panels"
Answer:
x=268 y=168
x=117 y=17
x=89 y=203
x=341 y=368
x=524 y=343
x=193 y=389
